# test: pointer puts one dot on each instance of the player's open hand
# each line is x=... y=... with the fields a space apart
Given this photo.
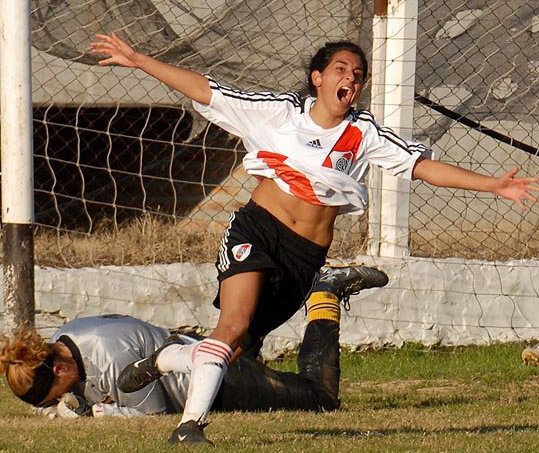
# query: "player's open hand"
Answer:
x=517 y=189
x=119 y=52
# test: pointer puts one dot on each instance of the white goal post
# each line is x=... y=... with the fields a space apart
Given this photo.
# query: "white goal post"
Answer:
x=392 y=103
x=17 y=163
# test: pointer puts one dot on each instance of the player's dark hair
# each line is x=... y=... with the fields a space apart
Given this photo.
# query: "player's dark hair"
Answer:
x=323 y=56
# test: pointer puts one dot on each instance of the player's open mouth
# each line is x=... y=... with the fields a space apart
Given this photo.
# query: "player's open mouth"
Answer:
x=345 y=94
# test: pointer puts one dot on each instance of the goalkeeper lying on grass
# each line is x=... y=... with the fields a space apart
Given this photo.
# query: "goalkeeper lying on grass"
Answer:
x=76 y=373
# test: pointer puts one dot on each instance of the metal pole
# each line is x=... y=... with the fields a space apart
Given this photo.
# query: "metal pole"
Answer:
x=17 y=164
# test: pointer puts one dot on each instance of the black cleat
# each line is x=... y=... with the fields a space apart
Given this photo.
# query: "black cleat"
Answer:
x=139 y=374
x=349 y=280
x=191 y=432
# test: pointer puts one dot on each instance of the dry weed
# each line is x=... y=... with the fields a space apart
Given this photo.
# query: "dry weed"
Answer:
x=145 y=240
x=152 y=239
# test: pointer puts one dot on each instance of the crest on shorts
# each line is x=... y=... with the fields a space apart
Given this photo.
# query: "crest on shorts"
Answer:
x=241 y=251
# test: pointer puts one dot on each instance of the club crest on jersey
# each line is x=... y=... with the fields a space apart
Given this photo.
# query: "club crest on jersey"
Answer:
x=241 y=251
x=341 y=160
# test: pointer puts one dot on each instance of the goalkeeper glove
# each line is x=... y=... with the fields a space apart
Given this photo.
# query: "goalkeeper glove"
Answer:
x=72 y=406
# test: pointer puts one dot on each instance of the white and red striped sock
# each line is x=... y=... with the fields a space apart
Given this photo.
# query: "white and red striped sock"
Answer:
x=211 y=361
x=177 y=357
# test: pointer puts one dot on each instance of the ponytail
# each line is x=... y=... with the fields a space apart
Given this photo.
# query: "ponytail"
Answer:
x=27 y=360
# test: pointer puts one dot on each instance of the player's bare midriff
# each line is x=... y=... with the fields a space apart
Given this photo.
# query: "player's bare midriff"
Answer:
x=310 y=221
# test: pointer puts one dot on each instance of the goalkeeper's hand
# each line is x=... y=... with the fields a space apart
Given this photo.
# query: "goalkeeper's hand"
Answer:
x=49 y=412
x=72 y=406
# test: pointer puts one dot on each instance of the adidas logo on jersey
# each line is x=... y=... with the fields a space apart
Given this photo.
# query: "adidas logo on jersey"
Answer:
x=314 y=144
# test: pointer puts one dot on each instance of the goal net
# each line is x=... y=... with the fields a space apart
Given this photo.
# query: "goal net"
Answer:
x=127 y=173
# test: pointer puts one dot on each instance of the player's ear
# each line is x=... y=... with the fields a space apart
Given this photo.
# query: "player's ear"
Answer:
x=316 y=77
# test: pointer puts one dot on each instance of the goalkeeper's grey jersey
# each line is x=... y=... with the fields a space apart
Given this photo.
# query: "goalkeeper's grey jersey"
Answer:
x=104 y=345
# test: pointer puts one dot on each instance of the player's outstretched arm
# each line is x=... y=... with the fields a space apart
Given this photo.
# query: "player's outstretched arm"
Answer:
x=507 y=186
x=191 y=84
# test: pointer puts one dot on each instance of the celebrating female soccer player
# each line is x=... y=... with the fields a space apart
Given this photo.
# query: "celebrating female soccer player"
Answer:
x=311 y=157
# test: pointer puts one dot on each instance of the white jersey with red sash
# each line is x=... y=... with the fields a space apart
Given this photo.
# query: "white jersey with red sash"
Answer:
x=321 y=166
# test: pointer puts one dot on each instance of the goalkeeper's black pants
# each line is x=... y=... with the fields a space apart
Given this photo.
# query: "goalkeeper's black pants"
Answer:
x=249 y=385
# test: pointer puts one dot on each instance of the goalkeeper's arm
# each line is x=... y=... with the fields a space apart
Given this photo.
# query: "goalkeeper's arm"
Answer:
x=113 y=410
x=73 y=406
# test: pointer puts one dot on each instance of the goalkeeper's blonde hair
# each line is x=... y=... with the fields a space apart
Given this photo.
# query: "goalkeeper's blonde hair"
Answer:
x=20 y=355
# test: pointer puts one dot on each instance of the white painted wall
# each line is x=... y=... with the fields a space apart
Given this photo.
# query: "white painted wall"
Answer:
x=448 y=302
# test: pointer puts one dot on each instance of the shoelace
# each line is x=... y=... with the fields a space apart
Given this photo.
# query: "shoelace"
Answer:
x=345 y=300
x=344 y=296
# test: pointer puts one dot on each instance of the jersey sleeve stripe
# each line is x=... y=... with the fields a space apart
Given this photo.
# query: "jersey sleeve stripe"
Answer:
x=384 y=132
x=262 y=96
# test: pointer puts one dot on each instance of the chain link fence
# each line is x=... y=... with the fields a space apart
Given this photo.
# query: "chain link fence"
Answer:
x=478 y=62
x=123 y=161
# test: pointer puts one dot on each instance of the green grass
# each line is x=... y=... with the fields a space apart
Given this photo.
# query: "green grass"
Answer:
x=465 y=399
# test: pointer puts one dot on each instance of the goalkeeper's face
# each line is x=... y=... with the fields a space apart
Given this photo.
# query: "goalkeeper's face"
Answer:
x=66 y=376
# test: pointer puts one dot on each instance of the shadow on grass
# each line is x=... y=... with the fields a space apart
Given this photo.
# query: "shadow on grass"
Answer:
x=409 y=430
x=398 y=402
x=407 y=402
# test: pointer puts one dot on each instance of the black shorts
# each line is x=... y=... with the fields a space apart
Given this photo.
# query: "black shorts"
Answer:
x=256 y=241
